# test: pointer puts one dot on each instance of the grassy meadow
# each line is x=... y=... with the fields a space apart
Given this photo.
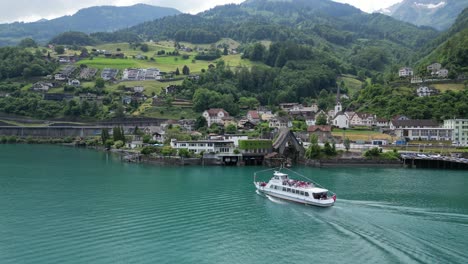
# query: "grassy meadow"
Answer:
x=361 y=135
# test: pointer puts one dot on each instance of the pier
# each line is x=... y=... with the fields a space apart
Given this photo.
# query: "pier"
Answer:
x=422 y=161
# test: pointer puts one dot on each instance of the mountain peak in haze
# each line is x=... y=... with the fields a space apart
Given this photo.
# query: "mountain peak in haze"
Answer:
x=88 y=20
x=439 y=14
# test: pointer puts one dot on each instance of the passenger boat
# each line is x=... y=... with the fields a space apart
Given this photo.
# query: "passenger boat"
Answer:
x=281 y=186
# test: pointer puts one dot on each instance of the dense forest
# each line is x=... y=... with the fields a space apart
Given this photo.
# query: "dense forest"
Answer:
x=16 y=62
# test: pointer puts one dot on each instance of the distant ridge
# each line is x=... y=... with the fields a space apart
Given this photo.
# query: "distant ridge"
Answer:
x=439 y=14
x=88 y=20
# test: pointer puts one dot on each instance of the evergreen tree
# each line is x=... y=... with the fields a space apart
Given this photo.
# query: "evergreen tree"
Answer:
x=177 y=72
x=186 y=70
x=104 y=135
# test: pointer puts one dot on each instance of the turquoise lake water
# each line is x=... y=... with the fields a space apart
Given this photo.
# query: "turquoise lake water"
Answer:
x=66 y=205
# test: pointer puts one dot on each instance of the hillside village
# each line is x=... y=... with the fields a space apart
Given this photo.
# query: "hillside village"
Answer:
x=217 y=132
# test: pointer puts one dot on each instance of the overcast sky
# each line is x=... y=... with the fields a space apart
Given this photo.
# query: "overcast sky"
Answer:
x=32 y=10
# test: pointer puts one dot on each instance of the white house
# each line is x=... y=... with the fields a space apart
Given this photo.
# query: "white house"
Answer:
x=442 y=73
x=74 y=82
x=138 y=89
x=460 y=130
x=424 y=91
x=363 y=119
x=434 y=67
x=382 y=122
x=215 y=116
x=405 y=72
x=416 y=79
x=42 y=86
x=280 y=122
x=205 y=146
x=60 y=77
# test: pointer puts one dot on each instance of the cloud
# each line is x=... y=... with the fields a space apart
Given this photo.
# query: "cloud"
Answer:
x=370 y=5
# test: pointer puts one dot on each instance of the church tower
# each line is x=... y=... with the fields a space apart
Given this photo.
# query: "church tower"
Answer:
x=338 y=107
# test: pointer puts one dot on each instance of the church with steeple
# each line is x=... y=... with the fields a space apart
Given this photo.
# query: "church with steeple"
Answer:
x=340 y=119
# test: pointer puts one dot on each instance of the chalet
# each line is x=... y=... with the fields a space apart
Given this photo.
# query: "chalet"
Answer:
x=424 y=91
x=138 y=97
x=434 y=67
x=74 y=82
x=300 y=110
x=88 y=97
x=382 y=122
x=187 y=124
x=193 y=77
x=171 y=89
x=60 y=77
x=289 y=106
x=400 y=117
x=323 y=133
x=405 y=72
x=42 y=86
x=310 y=120
x=138 y=89
x=215 y=115
x=416 y=79
x=109 y=74
x=442 y=73
x=253 y=116
x=267 y=117
x=363 y=119
x=280 y=122
x=246 y=124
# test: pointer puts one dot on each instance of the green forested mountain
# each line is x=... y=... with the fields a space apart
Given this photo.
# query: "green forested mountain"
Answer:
x=93 y=19
x=333 y=27
x=450 y=48
x=439 y=14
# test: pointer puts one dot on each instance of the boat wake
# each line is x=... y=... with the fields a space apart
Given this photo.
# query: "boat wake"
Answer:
x=278 y=201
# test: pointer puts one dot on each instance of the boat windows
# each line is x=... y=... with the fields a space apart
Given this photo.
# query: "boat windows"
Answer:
x=302 y=193
x=320 y=196
x=289 y=189
x=284 y=189
x=307 y=194
x=293 y=191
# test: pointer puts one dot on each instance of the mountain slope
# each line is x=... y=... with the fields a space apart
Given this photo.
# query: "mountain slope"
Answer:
x=451 y=48
x=93 y=19
x=336 y=28
x=439 y=14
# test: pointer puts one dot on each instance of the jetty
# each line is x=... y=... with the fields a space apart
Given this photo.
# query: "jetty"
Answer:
x=412 y=160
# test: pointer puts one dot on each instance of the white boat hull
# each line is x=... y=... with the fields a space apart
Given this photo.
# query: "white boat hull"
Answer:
x=287 y=196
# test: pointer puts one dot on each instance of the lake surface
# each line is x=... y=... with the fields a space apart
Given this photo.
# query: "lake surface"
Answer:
x=66 y=205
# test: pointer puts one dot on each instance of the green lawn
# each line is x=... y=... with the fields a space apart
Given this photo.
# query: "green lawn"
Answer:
x=443 y=87
x=365 y=135
x=352 y=83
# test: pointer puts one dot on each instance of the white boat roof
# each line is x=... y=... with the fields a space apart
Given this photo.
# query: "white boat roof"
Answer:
x=318 y=190
x=277 y=173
